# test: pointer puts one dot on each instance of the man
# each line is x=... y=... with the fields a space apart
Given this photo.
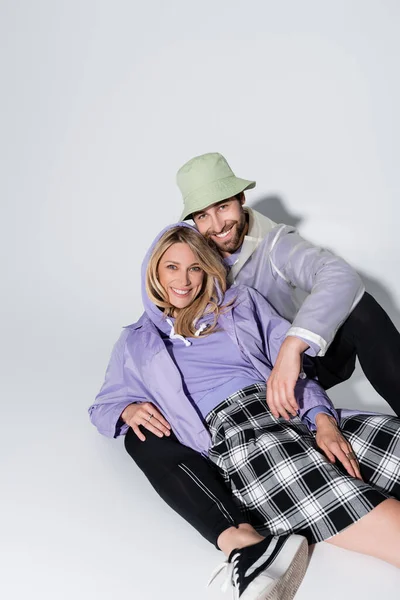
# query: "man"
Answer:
x=337 y=322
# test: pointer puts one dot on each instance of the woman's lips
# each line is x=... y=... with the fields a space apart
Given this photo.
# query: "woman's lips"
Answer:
x=180 y=293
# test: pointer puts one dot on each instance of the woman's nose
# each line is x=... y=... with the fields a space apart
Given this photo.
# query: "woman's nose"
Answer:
x=185 y=278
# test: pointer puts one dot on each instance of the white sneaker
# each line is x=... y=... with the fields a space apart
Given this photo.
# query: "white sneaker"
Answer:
x=270 y=570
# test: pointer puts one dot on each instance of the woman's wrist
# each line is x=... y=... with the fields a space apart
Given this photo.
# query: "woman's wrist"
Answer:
x=127 y=413
x=323 y=420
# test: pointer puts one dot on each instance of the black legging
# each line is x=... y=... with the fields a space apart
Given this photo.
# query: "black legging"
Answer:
x=190 y=484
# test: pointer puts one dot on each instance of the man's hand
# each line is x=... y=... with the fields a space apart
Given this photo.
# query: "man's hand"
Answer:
x=281 y=382
x=334 y=445
x=145 y=414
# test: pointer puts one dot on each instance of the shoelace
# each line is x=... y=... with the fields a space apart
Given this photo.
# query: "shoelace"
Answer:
x=231 y=576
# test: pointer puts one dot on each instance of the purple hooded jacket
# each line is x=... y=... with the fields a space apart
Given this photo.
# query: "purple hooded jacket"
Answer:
x=141 y=369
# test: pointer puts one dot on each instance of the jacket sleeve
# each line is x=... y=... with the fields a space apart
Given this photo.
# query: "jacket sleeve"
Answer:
x=333 y=286
x=118 y=391
x=310 y=396
x=273 y=330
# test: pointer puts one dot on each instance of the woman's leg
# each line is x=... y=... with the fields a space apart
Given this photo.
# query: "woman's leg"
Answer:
x=377 y=534
x=376 y=442
x=187 y=482
x=375 y=439
x=191 y=485
x=238 y=537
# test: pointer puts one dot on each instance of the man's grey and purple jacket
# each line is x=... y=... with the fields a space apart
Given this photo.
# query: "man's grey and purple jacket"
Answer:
x=142 y=370
x=307 y=285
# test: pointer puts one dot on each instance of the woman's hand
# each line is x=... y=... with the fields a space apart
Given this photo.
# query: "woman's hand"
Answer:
x=145 y=414
x=334 y=445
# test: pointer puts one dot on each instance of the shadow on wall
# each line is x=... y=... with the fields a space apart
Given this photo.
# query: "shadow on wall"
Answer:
x=273 y=207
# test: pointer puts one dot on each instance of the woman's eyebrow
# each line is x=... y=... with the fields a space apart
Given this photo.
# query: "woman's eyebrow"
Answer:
x=174 y=262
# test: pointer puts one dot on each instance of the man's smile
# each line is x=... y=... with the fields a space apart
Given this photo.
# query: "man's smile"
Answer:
x=224 y=234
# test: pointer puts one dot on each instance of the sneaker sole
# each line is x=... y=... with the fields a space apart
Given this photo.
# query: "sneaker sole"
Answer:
x=286 y=586
x=292 y=561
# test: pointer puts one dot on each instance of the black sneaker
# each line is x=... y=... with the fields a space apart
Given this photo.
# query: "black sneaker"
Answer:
x=270 y=570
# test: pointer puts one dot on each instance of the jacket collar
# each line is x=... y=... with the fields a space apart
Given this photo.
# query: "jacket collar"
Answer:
x=259 y=226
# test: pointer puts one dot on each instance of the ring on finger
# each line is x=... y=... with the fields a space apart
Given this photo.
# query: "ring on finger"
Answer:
x=150 y=417
x=351 y=456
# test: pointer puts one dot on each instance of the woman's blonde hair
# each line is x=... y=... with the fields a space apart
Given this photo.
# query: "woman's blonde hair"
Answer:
x=207 y=302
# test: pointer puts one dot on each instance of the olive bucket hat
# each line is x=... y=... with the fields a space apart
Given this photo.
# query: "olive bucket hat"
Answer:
x=208 y=179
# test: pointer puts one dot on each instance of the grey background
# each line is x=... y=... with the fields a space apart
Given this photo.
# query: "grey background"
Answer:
x=101 y=103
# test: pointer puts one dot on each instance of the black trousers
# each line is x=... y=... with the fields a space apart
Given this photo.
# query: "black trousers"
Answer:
x=191 y=485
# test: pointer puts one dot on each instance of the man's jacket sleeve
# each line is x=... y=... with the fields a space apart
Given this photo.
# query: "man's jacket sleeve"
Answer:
x=333 y=286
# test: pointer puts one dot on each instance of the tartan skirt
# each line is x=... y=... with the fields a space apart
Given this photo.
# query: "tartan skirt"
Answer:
x=280 y=480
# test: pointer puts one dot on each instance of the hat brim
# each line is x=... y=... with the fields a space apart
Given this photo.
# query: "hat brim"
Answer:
x=214 y=192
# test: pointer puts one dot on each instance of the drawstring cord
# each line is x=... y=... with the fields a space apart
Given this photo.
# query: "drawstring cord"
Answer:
x=173 y=335
x=202 y=327
x=176 y=336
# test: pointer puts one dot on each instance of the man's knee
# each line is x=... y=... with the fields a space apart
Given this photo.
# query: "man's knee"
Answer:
x=366 y=313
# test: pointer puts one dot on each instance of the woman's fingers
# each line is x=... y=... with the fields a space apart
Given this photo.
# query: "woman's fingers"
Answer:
x=351 y=457
x=152 y=414
x=334 y=445
x=146 y=415
x=151 y=418
x=342 y=453
x=137 y=431
x=155 y=426
x=356 y=467
x=328 y=453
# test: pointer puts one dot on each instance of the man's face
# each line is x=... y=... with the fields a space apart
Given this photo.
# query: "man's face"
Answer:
x=224 y=223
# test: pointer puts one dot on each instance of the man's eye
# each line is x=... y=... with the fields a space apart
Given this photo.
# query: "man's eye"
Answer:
x=200 y=217
x=223 y=206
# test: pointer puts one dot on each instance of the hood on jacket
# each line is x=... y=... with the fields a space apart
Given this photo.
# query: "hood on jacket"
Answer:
x=155 y=314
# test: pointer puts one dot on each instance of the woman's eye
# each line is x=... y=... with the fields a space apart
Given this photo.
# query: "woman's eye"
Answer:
x=197 y=269
x=172 y=267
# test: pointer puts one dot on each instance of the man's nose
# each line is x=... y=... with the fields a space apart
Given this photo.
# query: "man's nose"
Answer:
x=218 y=223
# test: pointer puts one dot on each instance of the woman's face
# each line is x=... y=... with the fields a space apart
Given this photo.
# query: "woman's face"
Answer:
x=180 y=275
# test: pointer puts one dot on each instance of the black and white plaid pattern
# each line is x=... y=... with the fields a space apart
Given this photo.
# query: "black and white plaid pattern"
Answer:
x=284 y=484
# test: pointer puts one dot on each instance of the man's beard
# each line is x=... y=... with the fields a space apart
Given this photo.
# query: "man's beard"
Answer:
x=231 y=245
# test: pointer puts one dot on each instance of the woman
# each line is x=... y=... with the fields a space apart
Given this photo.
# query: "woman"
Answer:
x=201 y=356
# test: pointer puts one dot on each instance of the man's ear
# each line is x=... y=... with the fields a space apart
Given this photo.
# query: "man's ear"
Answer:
x=242 y=198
